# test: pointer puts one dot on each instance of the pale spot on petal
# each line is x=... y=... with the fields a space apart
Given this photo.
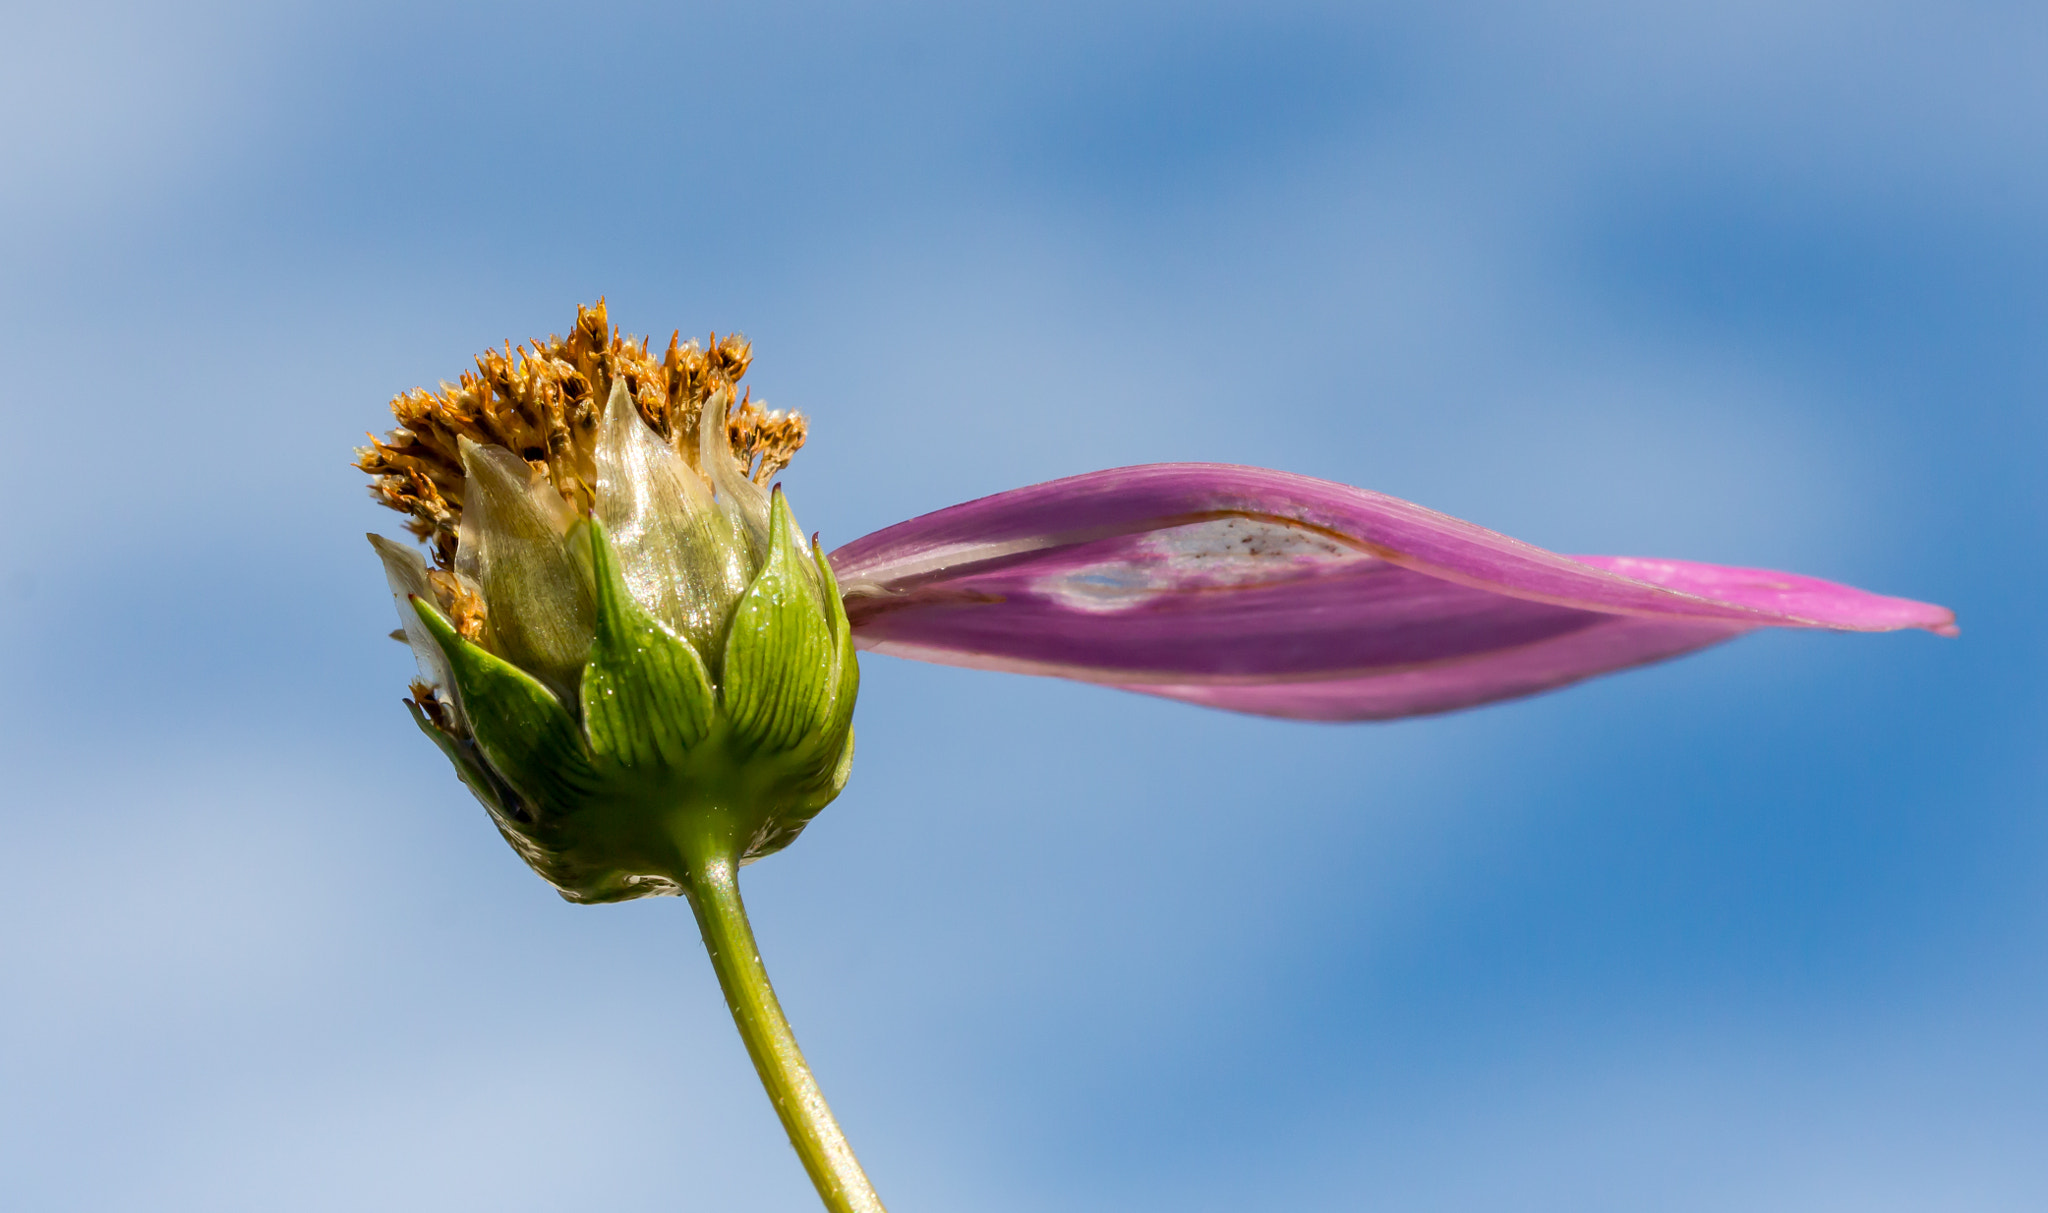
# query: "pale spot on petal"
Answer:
x=1217 y=554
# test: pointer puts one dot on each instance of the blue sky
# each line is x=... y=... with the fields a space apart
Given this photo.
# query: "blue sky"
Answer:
x=1758 y=930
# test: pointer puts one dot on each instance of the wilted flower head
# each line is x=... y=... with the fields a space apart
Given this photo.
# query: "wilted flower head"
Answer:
x=595 y=513
x=638 y=665
x=624 y=637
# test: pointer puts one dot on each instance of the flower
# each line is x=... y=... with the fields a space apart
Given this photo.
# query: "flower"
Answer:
x=564 y=534
x=628 y=650
x=626 y=647
x=633 y=660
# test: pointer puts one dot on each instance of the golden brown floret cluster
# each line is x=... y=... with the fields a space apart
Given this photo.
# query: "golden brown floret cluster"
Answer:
x=544 y=403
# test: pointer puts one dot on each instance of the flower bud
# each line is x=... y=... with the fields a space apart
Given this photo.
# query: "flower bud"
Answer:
x=651 y=665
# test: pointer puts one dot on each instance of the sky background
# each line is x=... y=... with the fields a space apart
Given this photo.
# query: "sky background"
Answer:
x=1759 y=283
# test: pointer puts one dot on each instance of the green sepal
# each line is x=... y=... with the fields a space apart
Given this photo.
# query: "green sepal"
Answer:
x=848 y=688
x=822 y=767
x=781 y=659
x=525 y=734
x=647 y=698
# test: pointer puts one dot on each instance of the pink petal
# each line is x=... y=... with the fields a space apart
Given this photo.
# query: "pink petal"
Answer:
x=1267 y=592
x=1788 y=594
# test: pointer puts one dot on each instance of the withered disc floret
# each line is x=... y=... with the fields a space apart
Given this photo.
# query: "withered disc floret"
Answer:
x=545 y=402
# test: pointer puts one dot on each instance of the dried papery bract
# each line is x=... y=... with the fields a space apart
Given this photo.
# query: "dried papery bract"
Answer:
x=517 y=547
x=687 y=566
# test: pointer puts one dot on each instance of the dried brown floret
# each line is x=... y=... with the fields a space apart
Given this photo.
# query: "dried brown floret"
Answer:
x=464 y=607
x=544 y=402
x=438 y=710
x=772 y=437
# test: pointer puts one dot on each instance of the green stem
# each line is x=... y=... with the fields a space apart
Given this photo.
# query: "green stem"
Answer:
x=722 y=916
